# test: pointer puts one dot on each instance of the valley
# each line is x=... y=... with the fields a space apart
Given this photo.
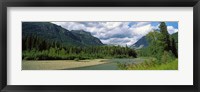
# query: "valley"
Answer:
x=93 y=64
x=48 y=46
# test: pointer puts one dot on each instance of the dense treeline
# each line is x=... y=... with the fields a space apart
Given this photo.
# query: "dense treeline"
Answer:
x=161 y=45
x=36 y=48
x=38 y=43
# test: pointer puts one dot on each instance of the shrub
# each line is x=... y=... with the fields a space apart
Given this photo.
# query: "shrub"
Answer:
x=167 y=57
x=122 y=66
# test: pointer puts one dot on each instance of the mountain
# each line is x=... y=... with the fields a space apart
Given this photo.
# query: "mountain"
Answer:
x=86 y=37
x=142 y=42
x=53 y=32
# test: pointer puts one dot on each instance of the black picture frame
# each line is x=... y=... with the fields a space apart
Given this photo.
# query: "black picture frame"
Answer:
x=98 y=3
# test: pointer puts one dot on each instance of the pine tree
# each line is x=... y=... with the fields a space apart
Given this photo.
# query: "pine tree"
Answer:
x=24 y=43
x=173 y=48
x=165 y=34
x=28 y=43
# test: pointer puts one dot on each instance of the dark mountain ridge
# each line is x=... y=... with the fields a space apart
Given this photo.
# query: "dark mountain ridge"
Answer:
x=86 y=37
x=142 y=42
x=53 y=32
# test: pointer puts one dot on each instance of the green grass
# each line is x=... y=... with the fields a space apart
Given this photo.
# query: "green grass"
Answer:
x=168 y=66
x=173 y=65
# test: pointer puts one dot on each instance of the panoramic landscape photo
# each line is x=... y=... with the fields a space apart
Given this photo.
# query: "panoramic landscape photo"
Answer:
x=100 y=45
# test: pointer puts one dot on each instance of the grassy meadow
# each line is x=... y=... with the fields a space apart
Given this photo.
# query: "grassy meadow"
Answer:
x=99 y=64
x=58 y=64
x=93 y=64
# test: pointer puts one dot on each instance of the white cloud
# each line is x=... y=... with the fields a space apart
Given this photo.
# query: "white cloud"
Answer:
x=120 y=41
x=117 y=33
x=141 y=24
x=71 y=25
x=171 y=29
x=142 y=30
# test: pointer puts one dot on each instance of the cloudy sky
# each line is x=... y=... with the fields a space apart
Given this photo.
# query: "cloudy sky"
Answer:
x=118 y=33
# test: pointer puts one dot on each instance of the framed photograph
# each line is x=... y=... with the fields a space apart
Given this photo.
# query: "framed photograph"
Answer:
x=85 y=45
